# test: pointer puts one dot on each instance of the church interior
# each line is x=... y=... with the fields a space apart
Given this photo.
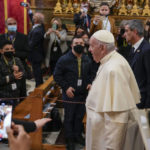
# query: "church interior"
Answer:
x=47 y=97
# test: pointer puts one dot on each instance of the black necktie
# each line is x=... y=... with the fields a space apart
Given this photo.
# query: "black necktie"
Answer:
x=132 y=50
x=131 y=56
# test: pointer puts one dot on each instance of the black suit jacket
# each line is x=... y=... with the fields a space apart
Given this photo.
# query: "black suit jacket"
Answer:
x=140 y=63
x=35 y=41
x=20 y=44
x=80 y=21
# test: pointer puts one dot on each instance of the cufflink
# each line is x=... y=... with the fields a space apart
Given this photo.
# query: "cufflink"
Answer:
x=138 y=50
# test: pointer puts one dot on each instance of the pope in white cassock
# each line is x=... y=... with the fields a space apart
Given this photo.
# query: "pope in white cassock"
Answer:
x=112 y=97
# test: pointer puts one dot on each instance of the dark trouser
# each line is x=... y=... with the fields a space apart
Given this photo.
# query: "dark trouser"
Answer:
x=74 y=114
x=37 y=71
x=52 y=66
x=23 y=91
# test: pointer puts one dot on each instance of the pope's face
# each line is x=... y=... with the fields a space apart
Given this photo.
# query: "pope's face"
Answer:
x=97 y=50
x=129 y=34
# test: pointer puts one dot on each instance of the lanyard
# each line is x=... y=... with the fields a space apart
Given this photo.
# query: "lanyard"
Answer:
x=125 y=43
x=6 y=62
x=13 y=40
x=79 y=67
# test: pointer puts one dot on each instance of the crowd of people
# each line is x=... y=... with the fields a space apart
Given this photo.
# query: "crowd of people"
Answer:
x=106 y=68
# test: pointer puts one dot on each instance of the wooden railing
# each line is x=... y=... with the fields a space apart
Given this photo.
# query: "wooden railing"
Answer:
x=33 y=106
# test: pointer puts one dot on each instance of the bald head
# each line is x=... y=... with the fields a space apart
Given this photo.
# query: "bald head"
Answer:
x=38 y=18
x=10 y=21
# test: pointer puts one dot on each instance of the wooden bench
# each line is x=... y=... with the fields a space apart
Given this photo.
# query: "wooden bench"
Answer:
x=33 y=106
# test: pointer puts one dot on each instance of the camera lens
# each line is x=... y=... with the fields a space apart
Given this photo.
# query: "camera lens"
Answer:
x=148 y=23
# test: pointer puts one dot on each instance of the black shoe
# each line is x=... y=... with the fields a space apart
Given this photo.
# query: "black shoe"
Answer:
x=80 y=140
x=70 y=144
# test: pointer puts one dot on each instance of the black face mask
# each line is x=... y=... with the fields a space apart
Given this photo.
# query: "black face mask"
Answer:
x=8 y=54
x=78 y=49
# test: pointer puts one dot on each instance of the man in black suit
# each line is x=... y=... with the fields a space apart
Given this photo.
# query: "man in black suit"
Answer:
x=35 y=41
x=20 y=44
x=82 y=18
x=139 y=59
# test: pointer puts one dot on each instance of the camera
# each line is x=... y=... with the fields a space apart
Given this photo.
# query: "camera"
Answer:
x=122 y=31
x=84 y=10
x=148 y=23
x=23 y=4
x=5 y=119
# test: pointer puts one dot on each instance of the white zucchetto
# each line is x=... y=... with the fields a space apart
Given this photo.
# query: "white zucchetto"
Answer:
x=104 y=36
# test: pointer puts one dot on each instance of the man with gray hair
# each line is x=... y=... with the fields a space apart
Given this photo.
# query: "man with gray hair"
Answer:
x=139 y=59
x=35 y=40
x=114 y=93
x=20 y=44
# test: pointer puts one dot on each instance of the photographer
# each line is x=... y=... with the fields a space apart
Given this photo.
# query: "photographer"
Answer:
x=147 y=30
x=18 y=133
x=20 y=142
x=123 y=46
x=57 y=43
x=103 y=21
x=82 y=18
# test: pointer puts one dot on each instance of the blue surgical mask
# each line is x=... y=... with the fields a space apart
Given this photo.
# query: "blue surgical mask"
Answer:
x=12 y=28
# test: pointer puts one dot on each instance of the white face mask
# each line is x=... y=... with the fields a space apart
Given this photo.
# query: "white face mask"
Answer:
x=85 y=10
x=12 y=28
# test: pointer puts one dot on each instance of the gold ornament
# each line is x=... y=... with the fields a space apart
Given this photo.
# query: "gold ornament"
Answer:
x=134 y=10
x=69 y=8
x=146 y=11
x=123 y=10
x=58 y=9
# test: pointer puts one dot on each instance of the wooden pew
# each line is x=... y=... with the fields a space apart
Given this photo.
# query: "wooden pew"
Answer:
x=33 y=105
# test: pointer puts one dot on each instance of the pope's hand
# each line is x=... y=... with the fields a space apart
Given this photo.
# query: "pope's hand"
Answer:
x=88 y=87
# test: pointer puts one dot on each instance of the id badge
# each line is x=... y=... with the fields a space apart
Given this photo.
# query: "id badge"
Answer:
x=79 y=82
x=55 y=49
x=14 y=86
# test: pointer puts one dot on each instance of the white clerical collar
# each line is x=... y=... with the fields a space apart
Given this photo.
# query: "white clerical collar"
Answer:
x=137 y=44
x=34 y=26
x=106 y=58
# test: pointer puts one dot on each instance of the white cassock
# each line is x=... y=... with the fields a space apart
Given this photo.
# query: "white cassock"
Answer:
x=113 y=95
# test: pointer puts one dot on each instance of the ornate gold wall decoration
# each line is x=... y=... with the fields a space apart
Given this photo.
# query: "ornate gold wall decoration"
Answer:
x=120 y=7
x=69 y=8
x=123 y=10
x=146 y=11
x=76 y=6
x=58 y=9
x=134 y=10
x=64 y=5
x=95 y=4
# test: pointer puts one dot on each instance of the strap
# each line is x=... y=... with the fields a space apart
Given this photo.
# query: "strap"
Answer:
x=79 y=67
